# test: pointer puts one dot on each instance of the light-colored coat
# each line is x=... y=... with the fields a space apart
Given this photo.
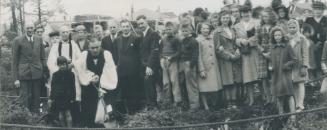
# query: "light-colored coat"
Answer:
x=250 y=60
x=208 y=63
x=301 y=51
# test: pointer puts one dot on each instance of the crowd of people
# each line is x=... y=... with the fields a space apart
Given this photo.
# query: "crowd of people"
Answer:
x=206 y=61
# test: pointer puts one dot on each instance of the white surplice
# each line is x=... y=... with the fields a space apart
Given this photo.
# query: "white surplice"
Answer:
x=108 y=79
x=52 y=63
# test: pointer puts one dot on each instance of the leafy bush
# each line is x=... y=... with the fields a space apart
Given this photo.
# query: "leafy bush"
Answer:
x=6 y=79
x=13 y=113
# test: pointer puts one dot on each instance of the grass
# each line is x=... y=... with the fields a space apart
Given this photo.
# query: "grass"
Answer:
x=12 y=112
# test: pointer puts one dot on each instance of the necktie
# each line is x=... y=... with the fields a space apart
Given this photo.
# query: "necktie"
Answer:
x=30 y=39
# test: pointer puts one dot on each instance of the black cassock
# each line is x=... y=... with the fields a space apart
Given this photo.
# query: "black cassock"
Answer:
x=129 y=94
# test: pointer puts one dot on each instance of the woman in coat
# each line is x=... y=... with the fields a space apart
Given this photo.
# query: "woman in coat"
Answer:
x=299 y=72
x=209 y=79
x=228 y=57
x=245 y=31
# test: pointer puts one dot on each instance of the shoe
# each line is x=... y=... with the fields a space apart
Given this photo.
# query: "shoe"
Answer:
x=299 y=109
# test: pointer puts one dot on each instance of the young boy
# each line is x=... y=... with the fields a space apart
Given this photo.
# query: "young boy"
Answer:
x=308 y=31
x=189 y=52
x=62 y=93
x=169 y=46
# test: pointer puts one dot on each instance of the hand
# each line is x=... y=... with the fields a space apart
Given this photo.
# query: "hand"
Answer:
x=49 y=102
x=324 y=71
x=101 y=92
x=237 y=52
x=70 y=65
x=245 y=42
x=148 y=71
x=221 y=48
x=261 y=49
x=169 y=58
x=203 y=75
x=17 y=84
x=95 y=79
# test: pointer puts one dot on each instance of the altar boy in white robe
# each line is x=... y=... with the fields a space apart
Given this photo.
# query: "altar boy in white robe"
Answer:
x=67 y=48
x=97 y=74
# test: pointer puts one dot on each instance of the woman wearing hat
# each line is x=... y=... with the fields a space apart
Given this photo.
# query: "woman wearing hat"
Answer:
x=245 y=33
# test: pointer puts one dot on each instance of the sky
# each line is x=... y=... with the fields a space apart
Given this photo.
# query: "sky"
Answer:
x=117 y=8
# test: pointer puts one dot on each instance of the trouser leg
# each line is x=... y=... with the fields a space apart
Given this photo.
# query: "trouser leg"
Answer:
x=36 y=93
x=25 y=94
x=191 y=85
x=150 y=91
x=176 y=90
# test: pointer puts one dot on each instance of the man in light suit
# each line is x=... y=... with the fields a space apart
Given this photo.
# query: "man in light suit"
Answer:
x=28 y=65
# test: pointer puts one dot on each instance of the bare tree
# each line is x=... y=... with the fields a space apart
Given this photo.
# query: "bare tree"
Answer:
x=42 y=13
x=12 y=5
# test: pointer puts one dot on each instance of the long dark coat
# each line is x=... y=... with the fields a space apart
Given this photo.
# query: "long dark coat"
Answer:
x=282 y=59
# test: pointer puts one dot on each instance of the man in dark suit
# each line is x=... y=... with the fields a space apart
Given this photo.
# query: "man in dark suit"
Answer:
x=319 y=24
x=150 y=60
x=28 y=64
x=107 y=41
x=129 y=93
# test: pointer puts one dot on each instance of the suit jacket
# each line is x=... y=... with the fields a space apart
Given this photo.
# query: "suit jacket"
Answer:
x=28 y=58
x=320 y=29
x=150 y=49
x=85 y=47
x=127 y=55
x=107 y=43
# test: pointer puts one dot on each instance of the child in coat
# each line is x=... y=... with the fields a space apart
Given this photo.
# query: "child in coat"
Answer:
x=282 y=59
x=62 y=92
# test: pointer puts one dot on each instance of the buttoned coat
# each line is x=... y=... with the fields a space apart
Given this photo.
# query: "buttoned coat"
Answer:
x=208 y=63
x=231 y=69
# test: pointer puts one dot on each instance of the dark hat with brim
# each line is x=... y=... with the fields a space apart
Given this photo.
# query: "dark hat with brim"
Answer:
x=53 y=34
x=318 y=5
